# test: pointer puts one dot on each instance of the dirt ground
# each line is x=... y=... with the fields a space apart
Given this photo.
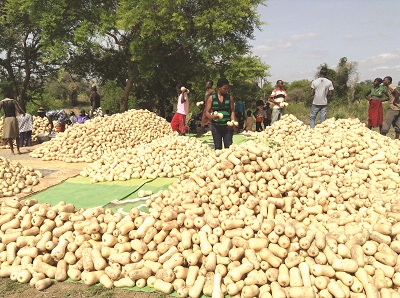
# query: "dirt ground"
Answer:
x=55 y=172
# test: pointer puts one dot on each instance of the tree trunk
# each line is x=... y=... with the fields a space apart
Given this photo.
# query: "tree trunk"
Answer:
x=161 y=103
x=123 y=106
x=125 y=96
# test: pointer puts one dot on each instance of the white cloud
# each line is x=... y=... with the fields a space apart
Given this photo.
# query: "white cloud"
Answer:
x=305 y=37
x=380 y=65
x=263 y=50
x=350 y=37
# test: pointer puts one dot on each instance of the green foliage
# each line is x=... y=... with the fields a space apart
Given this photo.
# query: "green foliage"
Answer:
x=299 y=91
x=110 y=96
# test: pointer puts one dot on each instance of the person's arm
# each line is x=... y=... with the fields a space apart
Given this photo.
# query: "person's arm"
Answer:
x=396 y=95
x=232 y=104
x=50 y=124
x=208 y=109
x=18 y=107
x=183 y=97
x=366 y=95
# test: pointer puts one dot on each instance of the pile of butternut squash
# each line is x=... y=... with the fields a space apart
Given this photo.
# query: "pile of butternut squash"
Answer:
x=169 y=156
x=98 y=136
x=16 y=178
x=315 y=216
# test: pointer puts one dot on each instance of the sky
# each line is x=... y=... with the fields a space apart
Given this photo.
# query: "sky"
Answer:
x=300 y=35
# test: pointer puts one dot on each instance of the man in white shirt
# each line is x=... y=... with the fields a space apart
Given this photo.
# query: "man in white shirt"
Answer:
x=322 y=88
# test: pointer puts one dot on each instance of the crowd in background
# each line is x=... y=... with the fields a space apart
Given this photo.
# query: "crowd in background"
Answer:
x=269 y=110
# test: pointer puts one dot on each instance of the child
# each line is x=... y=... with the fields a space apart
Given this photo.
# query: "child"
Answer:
x=25 y=123
x=267 y=111
x=248 y=125
x=259 y=115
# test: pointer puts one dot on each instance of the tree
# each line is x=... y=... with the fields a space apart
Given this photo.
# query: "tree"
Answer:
x=180 y=38
x=23 y=64
x=346 y=78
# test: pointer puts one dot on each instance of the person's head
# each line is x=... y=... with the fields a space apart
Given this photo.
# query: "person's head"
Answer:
x=223 y=86
x=41 y=112
x=93 y=89
x=178 y=88
x=377 y=81
x=248 y=113
x=279 y=83
x=72 y=113
x=82 y=112
x=387 y=81
x=209 y=84
x=323 y=72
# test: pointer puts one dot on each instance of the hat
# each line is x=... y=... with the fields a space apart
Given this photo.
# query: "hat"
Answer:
x=41 y=110
x=379 y=80
x=323 y=70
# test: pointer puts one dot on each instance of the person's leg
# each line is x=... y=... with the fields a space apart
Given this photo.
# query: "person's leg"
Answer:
x=228 y=136
x=258 y=126
x=313 y=114
x=217 y=137
x=396 y=124
x=322 y=113
x=29 y=138
x=175 y=122
x=10 y=143
x=17 y=142
x=274 y=115
x=21 y=139
x=183 y=125
x=390 y=116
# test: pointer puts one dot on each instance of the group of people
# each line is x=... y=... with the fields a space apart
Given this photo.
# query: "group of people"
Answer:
x=381 y=91
x=18 y=124
x=219 y=108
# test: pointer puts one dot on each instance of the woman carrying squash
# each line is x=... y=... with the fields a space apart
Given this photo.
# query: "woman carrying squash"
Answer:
x=220 y=110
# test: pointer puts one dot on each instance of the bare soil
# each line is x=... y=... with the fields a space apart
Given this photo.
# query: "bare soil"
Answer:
x=55 y=172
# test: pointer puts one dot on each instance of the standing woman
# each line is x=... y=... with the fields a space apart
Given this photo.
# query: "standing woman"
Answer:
x=376 y=95
x=222 y=103
x=10 y=127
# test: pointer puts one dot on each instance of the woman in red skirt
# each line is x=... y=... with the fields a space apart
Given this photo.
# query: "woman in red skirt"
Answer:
x=376 y=95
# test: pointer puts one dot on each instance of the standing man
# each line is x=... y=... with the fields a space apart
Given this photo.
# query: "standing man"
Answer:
x=25 y=123
x=178 y=122
x=278 y=96
x=321 y=88
x=94 y=100
x=10 y=127
x=392 y=115
x=204 y=120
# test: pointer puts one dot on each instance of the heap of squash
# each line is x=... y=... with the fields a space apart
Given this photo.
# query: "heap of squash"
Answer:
x=312 y=217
